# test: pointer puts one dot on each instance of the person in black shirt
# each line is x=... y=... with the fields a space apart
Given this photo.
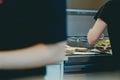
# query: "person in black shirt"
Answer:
x=32 y=35
x=107 y=17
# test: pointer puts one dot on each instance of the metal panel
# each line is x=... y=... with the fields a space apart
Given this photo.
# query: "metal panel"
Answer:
x=80 y=21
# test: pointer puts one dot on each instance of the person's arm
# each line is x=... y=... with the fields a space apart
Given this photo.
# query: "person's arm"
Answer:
x=96 y=32
x=32 y=57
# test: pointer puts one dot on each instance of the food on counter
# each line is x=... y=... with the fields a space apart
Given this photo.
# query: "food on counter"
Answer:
x=78 y=49
x=103 y=45
x=70 y=50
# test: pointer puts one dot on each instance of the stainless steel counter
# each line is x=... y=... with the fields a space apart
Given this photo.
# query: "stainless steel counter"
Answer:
x=110 y=75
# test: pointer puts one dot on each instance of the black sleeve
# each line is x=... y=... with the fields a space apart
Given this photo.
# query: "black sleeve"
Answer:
x=48 y=24
x=51 y=25
x=29 y=23
x=105 y=12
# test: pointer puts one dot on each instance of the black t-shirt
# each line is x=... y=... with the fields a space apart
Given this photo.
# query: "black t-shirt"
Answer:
x=24 y=23
x=110 y=14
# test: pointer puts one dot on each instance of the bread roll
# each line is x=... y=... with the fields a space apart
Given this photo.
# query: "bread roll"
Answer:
x=81 y=49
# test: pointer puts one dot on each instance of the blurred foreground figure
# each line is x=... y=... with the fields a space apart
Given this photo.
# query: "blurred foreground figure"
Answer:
x=32 y=35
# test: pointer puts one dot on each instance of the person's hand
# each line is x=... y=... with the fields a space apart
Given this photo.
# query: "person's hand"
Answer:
x=101 y=36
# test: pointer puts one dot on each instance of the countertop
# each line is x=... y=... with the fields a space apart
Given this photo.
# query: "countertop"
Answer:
x=109 y=75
